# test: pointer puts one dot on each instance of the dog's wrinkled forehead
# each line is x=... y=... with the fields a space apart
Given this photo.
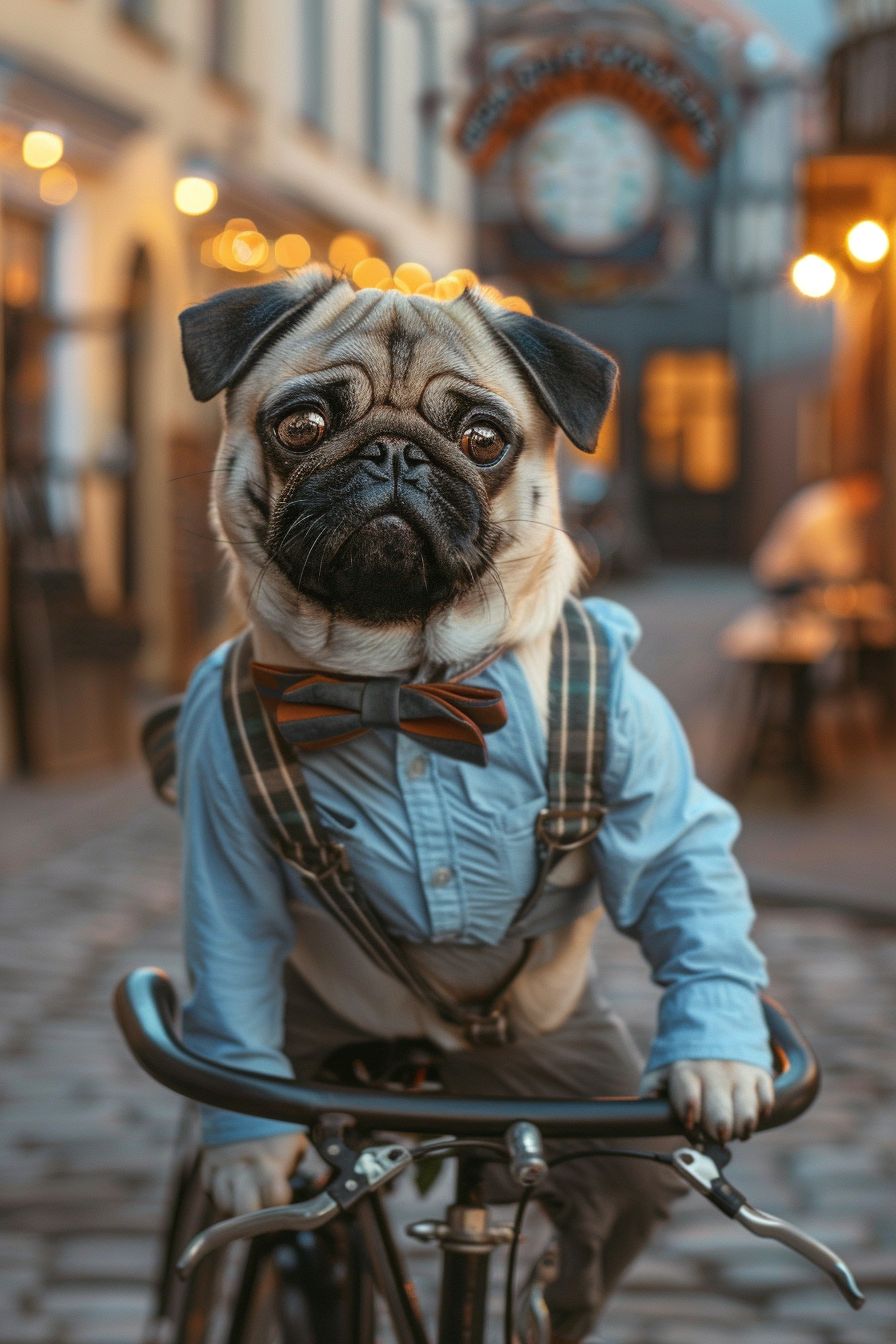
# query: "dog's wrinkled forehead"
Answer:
x=394 y=343
x=246 y=339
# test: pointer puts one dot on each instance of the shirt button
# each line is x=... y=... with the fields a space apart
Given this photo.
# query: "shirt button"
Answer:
x=418 y=767
x=442 y=876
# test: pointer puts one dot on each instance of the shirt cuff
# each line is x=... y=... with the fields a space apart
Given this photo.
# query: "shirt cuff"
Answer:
x=716 y=1018
x=231 y=1127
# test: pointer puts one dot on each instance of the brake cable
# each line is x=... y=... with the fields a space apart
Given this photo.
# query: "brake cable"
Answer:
x=523 y=1204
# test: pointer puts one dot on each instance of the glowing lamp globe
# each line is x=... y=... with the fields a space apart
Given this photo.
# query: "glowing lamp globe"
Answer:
x=195 y=195
x=813 y=276
x=867 y=242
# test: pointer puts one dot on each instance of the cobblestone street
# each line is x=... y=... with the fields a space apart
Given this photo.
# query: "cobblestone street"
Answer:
x=91 y=891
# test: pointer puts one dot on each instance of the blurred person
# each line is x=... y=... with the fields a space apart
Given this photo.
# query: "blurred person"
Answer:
x=825 y=534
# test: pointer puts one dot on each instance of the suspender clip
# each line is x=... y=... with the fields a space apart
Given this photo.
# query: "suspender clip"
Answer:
x=332 y=860
x=494 y=1029
x=553 y=826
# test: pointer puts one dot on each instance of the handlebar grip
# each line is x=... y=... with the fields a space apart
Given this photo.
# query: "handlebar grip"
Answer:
x=526 y=1151
x=146 y=1007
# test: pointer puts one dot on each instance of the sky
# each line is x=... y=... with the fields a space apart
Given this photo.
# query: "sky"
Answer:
x=806 y=25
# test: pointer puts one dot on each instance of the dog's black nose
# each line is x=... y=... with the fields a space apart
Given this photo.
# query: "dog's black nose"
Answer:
x=394 y=456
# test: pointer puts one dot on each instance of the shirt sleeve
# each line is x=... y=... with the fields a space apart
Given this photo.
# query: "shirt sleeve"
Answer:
x=669 y=878
x=237 y=928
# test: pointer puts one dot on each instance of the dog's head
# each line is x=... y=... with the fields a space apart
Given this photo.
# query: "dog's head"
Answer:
x=386 y=463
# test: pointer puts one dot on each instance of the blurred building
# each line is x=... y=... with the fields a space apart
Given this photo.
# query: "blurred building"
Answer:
x=635 y=177
x=853 y=183
x=309 y=119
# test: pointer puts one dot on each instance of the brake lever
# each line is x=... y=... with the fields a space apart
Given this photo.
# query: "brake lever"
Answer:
x=372 y=1168
x=702 y=1173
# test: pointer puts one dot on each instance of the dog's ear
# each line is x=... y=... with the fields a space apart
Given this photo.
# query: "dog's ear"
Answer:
x=222 y=337
x=573 y=382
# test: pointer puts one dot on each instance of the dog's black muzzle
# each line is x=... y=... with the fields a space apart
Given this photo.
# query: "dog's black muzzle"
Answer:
x=386 y=534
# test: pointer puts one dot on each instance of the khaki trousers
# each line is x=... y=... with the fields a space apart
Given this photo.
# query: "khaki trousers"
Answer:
x=603 y=1210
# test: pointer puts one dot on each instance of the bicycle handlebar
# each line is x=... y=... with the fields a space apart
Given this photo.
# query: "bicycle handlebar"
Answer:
x=146 y=1006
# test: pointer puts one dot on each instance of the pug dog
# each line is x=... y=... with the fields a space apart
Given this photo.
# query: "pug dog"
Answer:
x=386 y=494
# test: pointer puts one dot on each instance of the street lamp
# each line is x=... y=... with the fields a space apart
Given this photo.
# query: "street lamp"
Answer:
x=813 y=275
x=867 y=243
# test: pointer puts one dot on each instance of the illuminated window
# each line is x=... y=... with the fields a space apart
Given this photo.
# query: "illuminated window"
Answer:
x=142 y=13
x=428 y=105
x=224 y=38
x=688 y=415
x=374 y=138
x=314 y=58
x=606 y=455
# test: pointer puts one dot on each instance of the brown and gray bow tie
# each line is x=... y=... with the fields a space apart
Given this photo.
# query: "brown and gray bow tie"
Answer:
x=313 y=710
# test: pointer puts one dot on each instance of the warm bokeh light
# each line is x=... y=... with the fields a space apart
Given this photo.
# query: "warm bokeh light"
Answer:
x=291 y=251
x=21 y=285
x=195 y=195
x=867 y=242
x=250 y=249
x=222 y=248
x=58 y=185
x=813 y=276
x=448 y=288
x=207 y=252
x=41 y=149
x=412 y=275
x=517 y=304
x=372 y=273
x=346 y=251
x=466 y=277
x=239 y=224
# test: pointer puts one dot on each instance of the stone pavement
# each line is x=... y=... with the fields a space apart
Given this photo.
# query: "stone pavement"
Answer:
x=90 y=891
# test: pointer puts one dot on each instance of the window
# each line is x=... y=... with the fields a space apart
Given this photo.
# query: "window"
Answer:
x=224 y=39
x=428 y=105
x=314 y=62
x=142 y=13
x=374 y=135
x=605 y=457
x=688 y=416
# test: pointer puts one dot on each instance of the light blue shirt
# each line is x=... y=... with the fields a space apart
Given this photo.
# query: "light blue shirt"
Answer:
x=446 y=850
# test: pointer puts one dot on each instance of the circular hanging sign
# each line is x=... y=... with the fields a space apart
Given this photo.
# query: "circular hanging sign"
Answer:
x=681 y=109
x=589 y=175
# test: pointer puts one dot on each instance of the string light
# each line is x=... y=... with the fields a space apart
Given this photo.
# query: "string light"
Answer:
x=372 y=273
x=346 y=250
x=291 y=251
x=250 y=249
x=195 y=195
x=58 y=185
x=42 y=148
x=241 y=247
x=412 y=275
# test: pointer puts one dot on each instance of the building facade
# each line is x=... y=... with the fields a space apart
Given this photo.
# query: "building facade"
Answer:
x=311 y=118
x=635 y=171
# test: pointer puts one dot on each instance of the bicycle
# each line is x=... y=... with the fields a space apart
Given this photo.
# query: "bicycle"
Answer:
x=310 y=1272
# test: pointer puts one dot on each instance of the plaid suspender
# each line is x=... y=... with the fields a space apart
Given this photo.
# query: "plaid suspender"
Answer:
x=275 y=785
x=577 y=731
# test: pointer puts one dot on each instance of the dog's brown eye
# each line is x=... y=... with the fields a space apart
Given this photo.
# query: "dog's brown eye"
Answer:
x=302 y=430
x=482 y=443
